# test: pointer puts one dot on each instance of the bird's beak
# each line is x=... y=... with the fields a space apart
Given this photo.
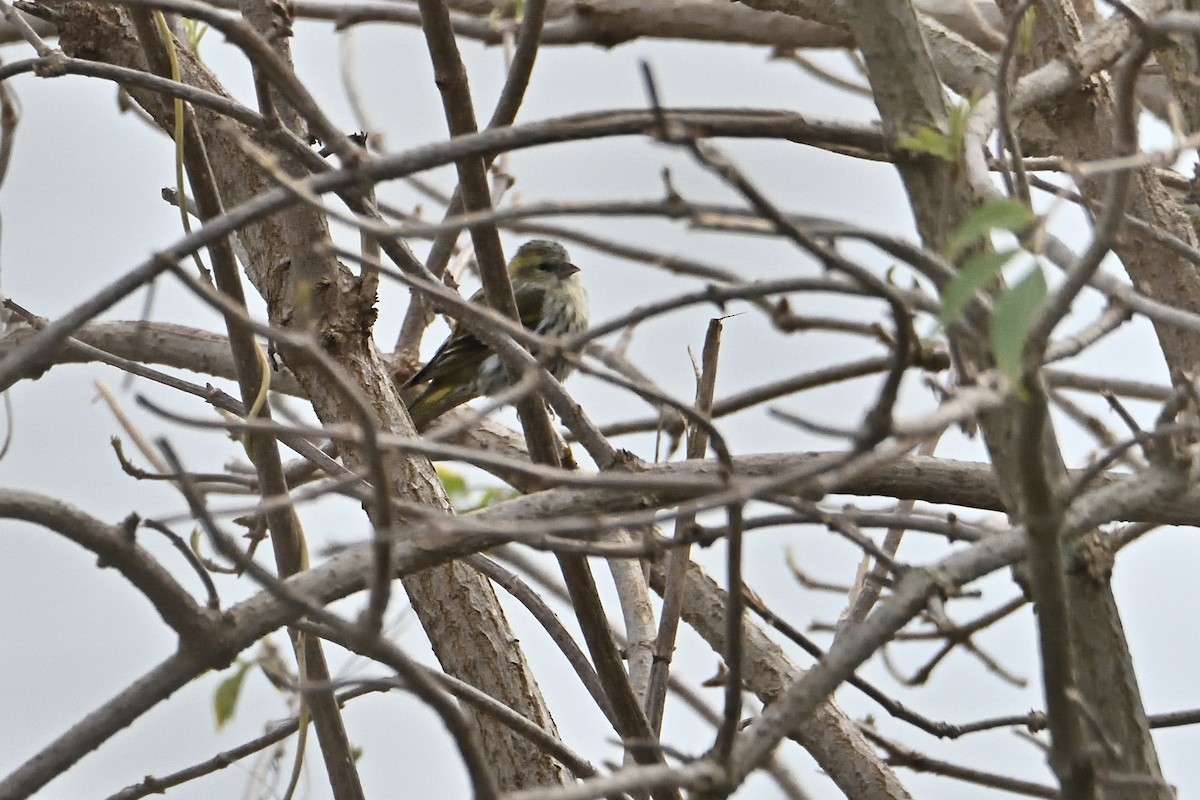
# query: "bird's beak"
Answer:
x=566 y=269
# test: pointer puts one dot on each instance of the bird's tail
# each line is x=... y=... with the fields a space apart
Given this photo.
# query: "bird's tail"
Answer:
x=426 y=404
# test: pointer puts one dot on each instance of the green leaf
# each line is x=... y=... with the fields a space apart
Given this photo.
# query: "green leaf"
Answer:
x=932 y=142
x=464 y=497
x=956 y=124
x=1011 y=318
x=948 y=144
x=194 y=31
x=454 y=483
x=1025 y=30
x=492 y=495
x=1002 y=213
x=225 y=699
x=977 y=271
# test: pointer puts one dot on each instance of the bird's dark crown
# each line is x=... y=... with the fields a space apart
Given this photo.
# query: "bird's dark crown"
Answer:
x=541 y=250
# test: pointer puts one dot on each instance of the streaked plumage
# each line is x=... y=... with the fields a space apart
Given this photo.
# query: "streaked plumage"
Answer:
x=551 y=301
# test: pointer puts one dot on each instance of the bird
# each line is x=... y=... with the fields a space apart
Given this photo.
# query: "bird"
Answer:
x=551 y=301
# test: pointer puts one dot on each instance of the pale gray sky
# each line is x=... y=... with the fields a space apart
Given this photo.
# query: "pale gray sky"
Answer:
x=81 y=206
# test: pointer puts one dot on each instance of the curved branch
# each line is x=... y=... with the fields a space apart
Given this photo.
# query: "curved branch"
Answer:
x=115 y=546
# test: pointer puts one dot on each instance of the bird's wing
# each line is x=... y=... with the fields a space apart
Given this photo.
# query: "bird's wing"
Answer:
x=460 y=346
x=530 y=302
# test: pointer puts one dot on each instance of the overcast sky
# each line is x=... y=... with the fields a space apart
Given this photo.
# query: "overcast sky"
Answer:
x=82 y=205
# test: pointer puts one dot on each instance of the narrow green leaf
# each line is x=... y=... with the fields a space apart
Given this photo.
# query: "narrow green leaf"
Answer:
x=977 y=271
x=1013 y=314
x=1000 y=214
x=225 y=699
x=956 y=123
x=1025 y=30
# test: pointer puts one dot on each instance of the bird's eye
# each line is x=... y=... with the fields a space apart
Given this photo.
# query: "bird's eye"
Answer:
x=546 y=266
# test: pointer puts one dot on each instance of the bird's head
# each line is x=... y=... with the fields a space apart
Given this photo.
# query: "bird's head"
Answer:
x=541 y=263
